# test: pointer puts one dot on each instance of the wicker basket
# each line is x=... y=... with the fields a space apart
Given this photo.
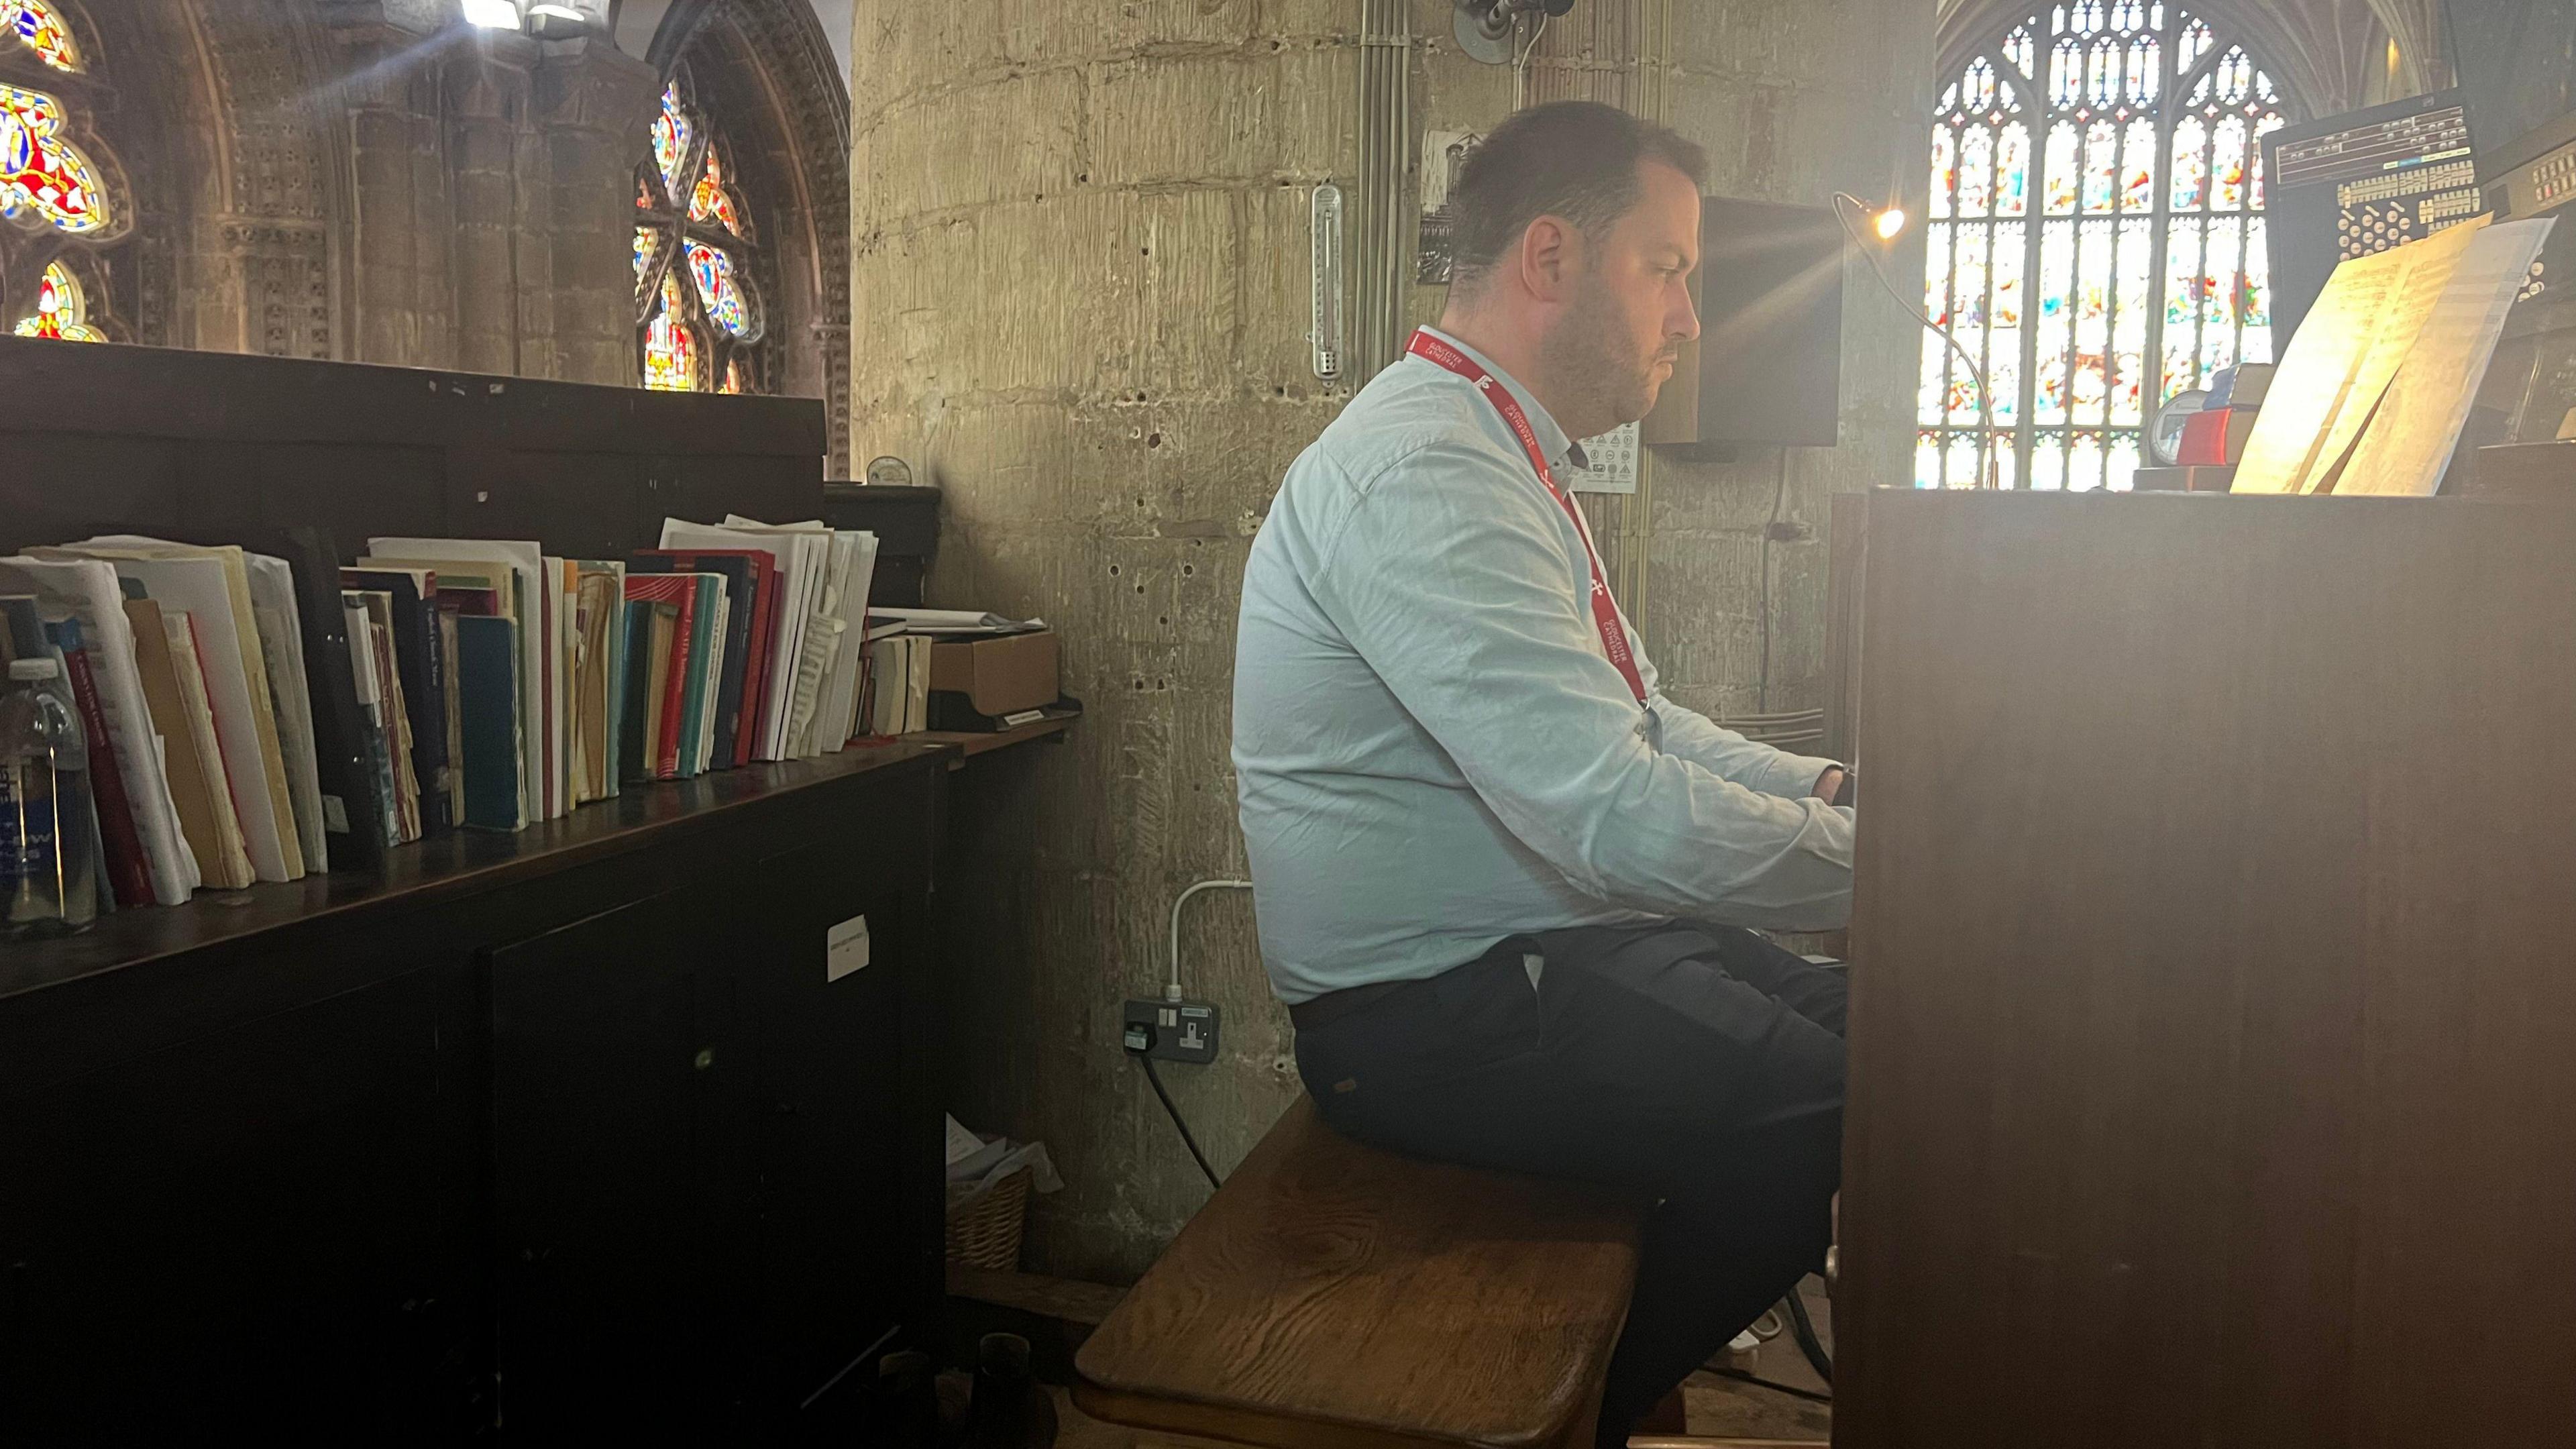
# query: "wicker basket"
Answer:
x=987 y=1235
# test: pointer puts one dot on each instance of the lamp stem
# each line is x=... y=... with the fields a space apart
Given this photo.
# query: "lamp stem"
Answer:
x=1986 y=477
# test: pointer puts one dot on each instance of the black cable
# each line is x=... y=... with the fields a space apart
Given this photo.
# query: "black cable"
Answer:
x=1740 y=1376
x=1804 y=1329
x=1187 y=1140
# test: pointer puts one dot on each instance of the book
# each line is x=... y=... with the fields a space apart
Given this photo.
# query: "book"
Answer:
x=395 y=707
x=452 y=692
x=412 y=595
x=713 y=611
x=88 y=592
x=634 y=714
x=599 y=602
x=696 y=651
x=916 y=706
x=517 y=569
x=750 y=587
x=377 y=750
x=281 y=647
x=491 y=671
x=129 y=873
x=191 y=763
x=672 y=661
x=662 y=626
x=219 y=580
x=798 y=559
x=353 y=806
x=188 y=659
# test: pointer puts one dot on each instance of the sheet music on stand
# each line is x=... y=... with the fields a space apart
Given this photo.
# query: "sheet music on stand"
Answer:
x=2374 y=388
x=2408 y=445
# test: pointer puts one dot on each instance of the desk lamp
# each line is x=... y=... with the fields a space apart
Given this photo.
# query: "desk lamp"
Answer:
x=1886 y=224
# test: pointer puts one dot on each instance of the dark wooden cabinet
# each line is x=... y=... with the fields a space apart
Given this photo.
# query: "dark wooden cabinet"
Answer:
x=556 y=1133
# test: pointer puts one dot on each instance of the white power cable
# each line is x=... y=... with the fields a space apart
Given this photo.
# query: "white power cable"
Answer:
x=1520 y=61
x=1172 y=991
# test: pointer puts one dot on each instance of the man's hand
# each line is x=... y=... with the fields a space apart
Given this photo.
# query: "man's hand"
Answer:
x=1829 y=784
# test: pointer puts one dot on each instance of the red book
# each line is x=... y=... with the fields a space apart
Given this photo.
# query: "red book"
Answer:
x=129 y=870
x=682 y=590
x=2206 y=437
x=755 y=674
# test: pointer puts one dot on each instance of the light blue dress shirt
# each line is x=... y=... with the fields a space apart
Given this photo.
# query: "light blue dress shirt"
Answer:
x=1432 y=751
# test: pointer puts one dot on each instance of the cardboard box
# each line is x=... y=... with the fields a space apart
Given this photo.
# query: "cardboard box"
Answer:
x=997 y=676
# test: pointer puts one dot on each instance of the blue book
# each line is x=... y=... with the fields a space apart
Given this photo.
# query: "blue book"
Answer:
x=632 y=706
x=704 y=651
x=487 y=650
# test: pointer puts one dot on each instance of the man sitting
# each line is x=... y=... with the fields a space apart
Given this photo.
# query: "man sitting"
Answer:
x=1502 y=882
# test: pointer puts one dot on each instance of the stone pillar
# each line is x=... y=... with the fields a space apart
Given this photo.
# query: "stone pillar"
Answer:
x=491 y=83
x=400 y=209
x=594 y=106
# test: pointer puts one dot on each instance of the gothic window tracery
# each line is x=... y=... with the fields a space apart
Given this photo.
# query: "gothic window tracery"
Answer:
x=698 y=309
x=61 y=206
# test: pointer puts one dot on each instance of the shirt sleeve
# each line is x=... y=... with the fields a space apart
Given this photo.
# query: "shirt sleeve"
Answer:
x=1459 y=584
x=1697 y=738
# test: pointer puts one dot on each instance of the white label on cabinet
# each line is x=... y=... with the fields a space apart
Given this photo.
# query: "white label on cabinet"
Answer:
x=845 y=949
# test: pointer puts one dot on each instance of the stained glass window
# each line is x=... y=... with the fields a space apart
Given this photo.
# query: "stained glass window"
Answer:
x=41 y=171
x=2096 y=240
x=38 y=26
x=672 y=356
x=62 y=309
x=698 y=310
x=63 y=214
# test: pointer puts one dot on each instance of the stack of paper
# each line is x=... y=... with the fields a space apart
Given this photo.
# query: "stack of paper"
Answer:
x=808 y=700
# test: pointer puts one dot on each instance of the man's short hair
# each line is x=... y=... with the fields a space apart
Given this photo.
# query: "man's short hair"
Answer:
x=1574 y=159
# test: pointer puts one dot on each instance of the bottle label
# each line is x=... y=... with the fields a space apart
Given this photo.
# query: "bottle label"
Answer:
x=26 y=825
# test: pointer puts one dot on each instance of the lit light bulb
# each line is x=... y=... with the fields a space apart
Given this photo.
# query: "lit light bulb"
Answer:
x=1889 y=223
x=493 y=14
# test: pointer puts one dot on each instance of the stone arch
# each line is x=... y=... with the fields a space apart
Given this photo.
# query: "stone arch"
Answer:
x=767 y=77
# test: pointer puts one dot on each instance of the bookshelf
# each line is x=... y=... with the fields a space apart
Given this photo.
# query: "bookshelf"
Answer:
x=580 y=1106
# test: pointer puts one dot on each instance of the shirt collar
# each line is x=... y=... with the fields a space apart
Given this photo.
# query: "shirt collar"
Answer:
x=1561 y=450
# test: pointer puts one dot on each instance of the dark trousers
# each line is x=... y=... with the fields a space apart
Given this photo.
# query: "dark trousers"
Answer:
x=1700 y=1066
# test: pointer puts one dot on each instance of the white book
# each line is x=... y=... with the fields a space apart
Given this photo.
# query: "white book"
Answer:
x=917 y=680
x=281 y=642
x=87 y=591
x=526 y=562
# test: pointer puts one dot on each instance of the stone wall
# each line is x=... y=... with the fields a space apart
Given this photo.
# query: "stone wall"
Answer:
x=1079 y=280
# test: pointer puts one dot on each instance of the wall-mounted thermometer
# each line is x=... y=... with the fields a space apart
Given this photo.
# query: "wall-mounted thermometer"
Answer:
x=1327 y=330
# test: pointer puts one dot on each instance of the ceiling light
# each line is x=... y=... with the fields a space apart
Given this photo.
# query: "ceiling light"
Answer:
x=557 y=20
x=493 y=14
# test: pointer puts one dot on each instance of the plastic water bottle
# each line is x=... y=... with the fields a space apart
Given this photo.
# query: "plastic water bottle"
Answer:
x=48 y=872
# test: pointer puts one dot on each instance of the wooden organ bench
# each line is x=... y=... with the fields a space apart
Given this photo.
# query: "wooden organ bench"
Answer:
x=1333 y=1296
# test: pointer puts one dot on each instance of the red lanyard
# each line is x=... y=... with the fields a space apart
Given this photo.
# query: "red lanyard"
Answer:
x=1605 y=614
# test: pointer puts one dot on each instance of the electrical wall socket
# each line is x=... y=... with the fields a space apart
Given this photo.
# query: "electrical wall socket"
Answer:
x=1183 y=1031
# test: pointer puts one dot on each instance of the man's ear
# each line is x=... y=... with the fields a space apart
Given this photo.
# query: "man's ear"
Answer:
x=1551 y=255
